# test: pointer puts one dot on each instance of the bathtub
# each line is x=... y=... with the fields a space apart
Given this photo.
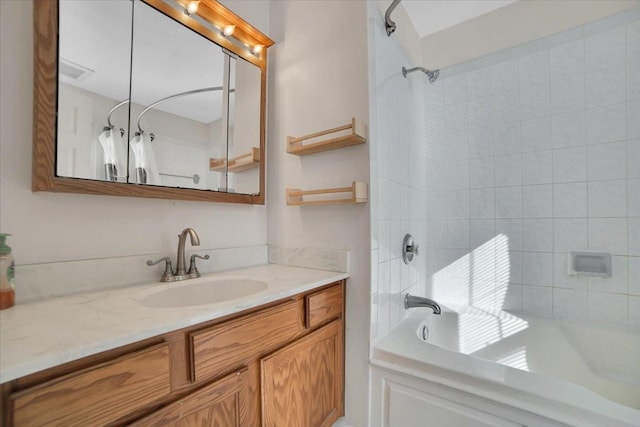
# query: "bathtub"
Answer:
x=478 y=367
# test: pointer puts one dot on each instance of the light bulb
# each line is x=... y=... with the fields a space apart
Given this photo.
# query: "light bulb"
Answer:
x=257 y=49
x=228 y=30
x=192 y=7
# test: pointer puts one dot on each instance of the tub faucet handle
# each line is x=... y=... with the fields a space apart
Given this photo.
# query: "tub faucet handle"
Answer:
x=193 y=269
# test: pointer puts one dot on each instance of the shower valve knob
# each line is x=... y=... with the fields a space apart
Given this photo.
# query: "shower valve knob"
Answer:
x=413 y=249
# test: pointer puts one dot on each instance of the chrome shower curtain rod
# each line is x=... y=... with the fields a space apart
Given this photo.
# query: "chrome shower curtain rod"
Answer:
x=177 y=95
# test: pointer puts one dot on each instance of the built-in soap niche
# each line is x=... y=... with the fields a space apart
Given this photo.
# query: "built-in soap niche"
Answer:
x=589 y=264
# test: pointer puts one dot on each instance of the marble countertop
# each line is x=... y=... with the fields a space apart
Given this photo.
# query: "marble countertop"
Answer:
x=48 y=333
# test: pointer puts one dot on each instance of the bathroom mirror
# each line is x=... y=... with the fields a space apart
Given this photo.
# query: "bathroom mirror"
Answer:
x=144 y=99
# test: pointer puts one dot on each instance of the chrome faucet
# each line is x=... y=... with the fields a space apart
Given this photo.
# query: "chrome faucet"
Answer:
x=181 y=272
x=411 y=301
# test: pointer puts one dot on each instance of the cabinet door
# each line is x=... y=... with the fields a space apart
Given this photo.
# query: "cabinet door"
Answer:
x=220 y=404
x=303 y=383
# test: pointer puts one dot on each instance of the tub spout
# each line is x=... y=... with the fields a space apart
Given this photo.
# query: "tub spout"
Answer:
x=411 y=301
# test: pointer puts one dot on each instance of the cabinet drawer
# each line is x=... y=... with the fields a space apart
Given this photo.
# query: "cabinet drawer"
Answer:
x=222 y=403
x=215 y=350
x=323 y=306
x=97 y=395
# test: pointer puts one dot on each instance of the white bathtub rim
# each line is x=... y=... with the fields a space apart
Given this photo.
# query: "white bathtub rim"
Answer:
x=403 y=352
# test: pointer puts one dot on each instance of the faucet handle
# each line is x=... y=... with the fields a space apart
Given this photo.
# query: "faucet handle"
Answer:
x=193 y=270
x=168 y=269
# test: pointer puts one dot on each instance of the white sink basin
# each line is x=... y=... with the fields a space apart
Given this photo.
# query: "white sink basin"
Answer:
x=210 y=292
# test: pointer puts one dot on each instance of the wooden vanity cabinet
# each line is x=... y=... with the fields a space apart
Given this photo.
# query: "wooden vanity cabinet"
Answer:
x=277 y=365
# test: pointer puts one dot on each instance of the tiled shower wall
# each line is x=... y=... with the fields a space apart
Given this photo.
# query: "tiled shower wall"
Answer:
x=398 y=178
x=533 y=152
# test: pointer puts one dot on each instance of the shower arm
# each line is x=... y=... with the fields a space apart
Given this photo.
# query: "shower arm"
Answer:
x=432 y=74
x=388 y=23
x=177 y=95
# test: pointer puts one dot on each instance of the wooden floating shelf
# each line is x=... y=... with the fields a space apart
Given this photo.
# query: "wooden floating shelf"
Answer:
x=296 y=146
x=358 y=190
x=238 y=163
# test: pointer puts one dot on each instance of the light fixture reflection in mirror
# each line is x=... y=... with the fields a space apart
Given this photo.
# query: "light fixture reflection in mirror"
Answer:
x=257 y=49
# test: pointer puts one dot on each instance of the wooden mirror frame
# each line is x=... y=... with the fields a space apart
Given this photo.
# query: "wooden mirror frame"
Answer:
x=45 y=94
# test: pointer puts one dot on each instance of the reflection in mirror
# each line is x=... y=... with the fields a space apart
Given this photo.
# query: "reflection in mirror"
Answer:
x=177 y=89
x=244 y=127
x=91 y=138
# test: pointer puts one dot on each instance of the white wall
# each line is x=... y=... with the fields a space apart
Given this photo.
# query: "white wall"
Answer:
x=513 y=25
x=318 y=79
x=398 y=175
x=536 y=152
x=50 y=227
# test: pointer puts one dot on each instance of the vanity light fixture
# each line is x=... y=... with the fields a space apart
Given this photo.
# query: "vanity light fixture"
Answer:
x=257 y=49
x=228 y=30
x=192 y=7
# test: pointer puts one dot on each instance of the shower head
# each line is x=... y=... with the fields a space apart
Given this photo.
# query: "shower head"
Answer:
x=432 y=74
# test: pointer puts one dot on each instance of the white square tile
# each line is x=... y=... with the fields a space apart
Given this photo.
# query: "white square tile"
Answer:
x=508 y=170
x=538 y=201
x=570 y=234
x=479 y=83
x=607 y=198
x=505 y=107
x=569 y=304
x=459 y=204
x=609 y=234
x=561 y=278
x=481 y=172
x=607 y=124
x=570 y=199
x=455 y=117
x=535 y=134
x=617 y=283
x=606 y=86
x=535 y=101
x=633 y=81
x=537 y=268
x=633 y=41
x=634 y=312
x=458 y=234
x=608 y=308
x=394 y=273
x=455 y=89
x=480 y=142
x=510 y=271
x=506 y=139
x=537 y=300
x=534 y=69
x=511 y=229
x=479 y=112
x=567 y=94
x=482 y=231
x=482 y=203
x=634 y=275
x=568 y=129
x=570 y=164
x=508 y=202
x=383 y=319
x=538 y=235
x=567 y=60
x=513 y=298
x=607 y=161
x=606 y=49
x=633 y=158
x=633 y=198
x=537 y=167
x=633 y=119
x=504 y=77
x=634 y=236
